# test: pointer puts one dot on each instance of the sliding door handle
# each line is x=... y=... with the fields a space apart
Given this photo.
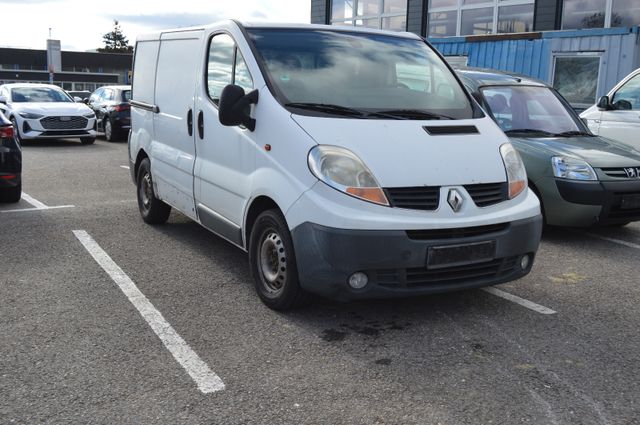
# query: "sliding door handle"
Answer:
x=190 y=122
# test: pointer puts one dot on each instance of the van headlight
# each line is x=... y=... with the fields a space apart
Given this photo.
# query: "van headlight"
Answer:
x=344 y=171
x=30 y=115
x=572 y=168
x=516 y=174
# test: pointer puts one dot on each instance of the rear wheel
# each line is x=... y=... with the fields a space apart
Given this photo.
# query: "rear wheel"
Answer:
x=11 y=194
x=110 y=133
x=152 y=209
x=273 y=263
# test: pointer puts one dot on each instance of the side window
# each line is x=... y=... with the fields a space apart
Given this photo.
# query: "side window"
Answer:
x=242 y=77
x=108 y=94
x=628 y=97
x=220 y=65
x=95 y=96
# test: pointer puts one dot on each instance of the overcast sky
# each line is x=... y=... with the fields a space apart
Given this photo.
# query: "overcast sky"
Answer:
x=80 y=24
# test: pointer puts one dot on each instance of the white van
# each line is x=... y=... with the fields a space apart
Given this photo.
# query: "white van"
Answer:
x=347 y=162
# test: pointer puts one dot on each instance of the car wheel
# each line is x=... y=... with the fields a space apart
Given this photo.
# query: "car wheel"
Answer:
x=87 y=140
x=273 y=263
x=15 y=130
x=152 y=209
x=109 y=131
x=11 y=194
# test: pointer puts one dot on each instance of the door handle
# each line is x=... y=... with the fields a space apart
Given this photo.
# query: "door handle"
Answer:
x=200 y=125
x=190 y=122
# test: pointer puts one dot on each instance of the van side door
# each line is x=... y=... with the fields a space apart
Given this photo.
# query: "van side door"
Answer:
x=172 y=150
x=225 y=155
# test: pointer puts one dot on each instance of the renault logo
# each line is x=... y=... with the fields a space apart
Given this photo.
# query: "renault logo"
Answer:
x=455 y=200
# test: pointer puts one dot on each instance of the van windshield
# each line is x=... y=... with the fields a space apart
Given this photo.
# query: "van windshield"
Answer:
x=352 y=74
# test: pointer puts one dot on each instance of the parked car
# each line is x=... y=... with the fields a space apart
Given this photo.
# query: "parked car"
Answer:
x=79 y=95
x=45 y=111
x=303 y=146
x=581 y=179
x=10 y=163
x=617 y=115
x=113 y=111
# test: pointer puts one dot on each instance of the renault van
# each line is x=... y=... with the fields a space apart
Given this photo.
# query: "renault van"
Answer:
x=349 y=163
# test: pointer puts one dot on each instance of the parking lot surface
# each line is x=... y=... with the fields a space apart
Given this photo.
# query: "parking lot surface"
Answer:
x=80 y=345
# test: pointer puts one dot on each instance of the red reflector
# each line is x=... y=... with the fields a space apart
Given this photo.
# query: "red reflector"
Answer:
x=8 y=177
x=119 y=108
x=6 y=131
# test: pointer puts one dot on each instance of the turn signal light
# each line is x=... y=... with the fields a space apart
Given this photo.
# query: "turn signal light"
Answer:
x=371 y=194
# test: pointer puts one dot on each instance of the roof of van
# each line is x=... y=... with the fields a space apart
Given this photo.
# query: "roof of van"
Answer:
x=232 y=22
x=479 y=77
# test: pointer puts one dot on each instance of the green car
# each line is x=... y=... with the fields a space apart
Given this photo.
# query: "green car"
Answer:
x=581 y=179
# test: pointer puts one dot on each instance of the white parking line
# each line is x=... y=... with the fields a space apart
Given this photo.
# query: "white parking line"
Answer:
x=126 y=167
x=37 y=205
x=521 y=301
x=618 y=241
x=206 y=380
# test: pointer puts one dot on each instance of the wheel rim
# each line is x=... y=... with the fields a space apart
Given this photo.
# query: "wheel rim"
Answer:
x=107 y=130
x=146 y=190
x=273 y=262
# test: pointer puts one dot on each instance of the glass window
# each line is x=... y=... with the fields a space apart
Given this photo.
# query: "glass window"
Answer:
x=443 y=24
x=368 y=7
x=466 y=2
x=342 y=9
x=476 y=21
x=367 y=73
x=89 y=87
x=395 y=23
x=625 y=13
x=515 y=18
x=578 y=14
x=628 y=96
x=242 y=76
x=126 y=95
x=528 y=108
x=395 y=6
x=442 y=3
x=576 y=78
x=78 y=86
x=368 y=23
x=220 y=65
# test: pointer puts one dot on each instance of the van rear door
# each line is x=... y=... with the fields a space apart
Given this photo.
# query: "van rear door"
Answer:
x=173 y=149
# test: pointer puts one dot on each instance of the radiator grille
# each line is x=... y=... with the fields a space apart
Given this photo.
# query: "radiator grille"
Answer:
x=488 y=194
x=64 y=123
x=414 y=198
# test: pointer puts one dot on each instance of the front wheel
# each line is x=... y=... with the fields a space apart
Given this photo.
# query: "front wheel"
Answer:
x=152 y=209
x=273 y=263
x=16 y=131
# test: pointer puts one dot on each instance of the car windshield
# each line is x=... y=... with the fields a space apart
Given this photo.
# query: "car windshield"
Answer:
x=126 y=95
x=530 y=110
x=362 y=75
x=38 y=94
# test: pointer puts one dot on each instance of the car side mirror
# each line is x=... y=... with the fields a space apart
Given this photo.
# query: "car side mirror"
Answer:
x=234 y=107
x=77 y=99
x=85 y=100
x=604 y=104
x=3 y=100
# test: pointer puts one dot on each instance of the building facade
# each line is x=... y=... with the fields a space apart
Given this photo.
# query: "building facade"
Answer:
x=582 y=47
x=80 y=70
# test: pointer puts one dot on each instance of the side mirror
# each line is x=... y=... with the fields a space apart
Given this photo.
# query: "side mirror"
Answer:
x=604 y=104
x=3 y=100
x=77 y=99
x=234 y=107
x=85 y=100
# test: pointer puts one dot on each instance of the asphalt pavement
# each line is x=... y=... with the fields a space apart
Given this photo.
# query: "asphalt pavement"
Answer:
x=76 y=348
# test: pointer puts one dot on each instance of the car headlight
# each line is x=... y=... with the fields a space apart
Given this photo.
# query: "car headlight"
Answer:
x=344 y=171
x=89 y=115
x=30 y=115
x=516 y=174
x=572 y=168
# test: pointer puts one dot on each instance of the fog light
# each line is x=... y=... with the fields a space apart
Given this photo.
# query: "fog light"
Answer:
x=358 y=280
x=525 y=261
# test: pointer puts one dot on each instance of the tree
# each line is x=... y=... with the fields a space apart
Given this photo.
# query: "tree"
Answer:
x=115 y=41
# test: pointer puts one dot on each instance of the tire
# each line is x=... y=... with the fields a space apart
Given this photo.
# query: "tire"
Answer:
x=273 y=263
x=16 y=131
x=152 y=209
x=110 y=133
x=87 y=140
x=11 y=194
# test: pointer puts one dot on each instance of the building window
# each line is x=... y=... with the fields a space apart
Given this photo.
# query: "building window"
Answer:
x=576 y=78
x=381 y=14
x=477 y=17
x=579 y=14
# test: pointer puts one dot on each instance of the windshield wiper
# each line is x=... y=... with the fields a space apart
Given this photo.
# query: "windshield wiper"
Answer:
x=412 y=113
x=529 y=131
x=325 y=107
x=573 y=133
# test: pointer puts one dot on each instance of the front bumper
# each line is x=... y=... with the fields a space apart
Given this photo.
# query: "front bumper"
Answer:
x=603 y=200
x=35 y=129
x=395 y=260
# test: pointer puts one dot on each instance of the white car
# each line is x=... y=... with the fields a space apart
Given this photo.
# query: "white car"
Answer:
x=45 y=111
x=347 y=162
x=617 y=115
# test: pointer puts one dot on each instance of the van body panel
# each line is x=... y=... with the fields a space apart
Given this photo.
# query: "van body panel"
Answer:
x=401 y=153
x=173 y=147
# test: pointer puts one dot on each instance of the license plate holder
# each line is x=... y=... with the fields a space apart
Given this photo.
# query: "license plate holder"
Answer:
x=630 y=202
x=439 y=257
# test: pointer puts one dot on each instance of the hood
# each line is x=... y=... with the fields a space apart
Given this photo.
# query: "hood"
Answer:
x=52 y=108
x=597 y=151
x=400 y=153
